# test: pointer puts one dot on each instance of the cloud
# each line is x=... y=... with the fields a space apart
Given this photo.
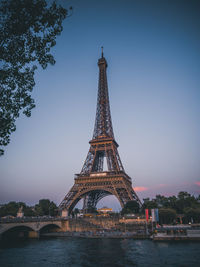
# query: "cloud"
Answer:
x=140 y=188
x=197 y=183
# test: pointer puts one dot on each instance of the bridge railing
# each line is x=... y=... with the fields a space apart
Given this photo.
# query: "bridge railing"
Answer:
x=31 y=219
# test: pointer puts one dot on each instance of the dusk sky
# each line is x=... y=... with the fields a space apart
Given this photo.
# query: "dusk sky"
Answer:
x=153 y=54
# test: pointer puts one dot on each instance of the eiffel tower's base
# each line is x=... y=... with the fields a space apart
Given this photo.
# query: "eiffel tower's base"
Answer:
x=95 y=186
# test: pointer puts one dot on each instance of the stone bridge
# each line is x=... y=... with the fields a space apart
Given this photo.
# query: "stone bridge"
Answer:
x=33 y=226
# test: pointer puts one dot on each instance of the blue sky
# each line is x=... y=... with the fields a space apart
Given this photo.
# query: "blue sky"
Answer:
x=153 y=55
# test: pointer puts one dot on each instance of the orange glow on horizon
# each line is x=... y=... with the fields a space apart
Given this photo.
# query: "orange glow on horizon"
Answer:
x=140 y=188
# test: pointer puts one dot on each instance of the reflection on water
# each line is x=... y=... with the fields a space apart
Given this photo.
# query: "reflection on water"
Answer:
x=99 y=252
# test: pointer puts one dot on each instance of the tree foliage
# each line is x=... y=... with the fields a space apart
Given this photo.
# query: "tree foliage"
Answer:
x=167 y=215
x=12 y=208
x=28 y=32
x=179 y=203
x=185 y=204
x=192 y=215
x=43 y=208
x=149 y=204
x=130 y=207
x=9 y=209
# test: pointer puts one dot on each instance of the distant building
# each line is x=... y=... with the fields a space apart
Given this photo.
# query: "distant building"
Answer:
x=104 y=210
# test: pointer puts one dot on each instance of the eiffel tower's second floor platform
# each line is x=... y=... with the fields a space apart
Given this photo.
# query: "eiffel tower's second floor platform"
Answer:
x=102 y=177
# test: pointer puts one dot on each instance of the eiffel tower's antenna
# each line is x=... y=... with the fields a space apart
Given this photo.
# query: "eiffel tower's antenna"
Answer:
x=102 y=52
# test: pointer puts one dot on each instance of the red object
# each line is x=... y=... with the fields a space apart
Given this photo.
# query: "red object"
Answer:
x=147 y=214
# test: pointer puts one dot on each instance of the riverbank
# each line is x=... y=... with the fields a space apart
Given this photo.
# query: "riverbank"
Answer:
x=123 y=235
x=175 y=238
x=96 y=235
x=177 y=233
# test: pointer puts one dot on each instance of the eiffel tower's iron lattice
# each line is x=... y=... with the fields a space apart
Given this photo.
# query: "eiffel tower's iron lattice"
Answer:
x=93 y=183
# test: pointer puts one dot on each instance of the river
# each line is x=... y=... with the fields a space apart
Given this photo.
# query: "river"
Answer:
x=87 y=252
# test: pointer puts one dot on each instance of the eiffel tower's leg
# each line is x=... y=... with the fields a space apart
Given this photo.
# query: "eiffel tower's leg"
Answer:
x=113 y=159
x=70 y=198
x=127 y=194
x=88 y=164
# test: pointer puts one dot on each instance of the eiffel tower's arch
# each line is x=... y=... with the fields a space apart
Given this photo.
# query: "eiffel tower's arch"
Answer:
x=90 y=198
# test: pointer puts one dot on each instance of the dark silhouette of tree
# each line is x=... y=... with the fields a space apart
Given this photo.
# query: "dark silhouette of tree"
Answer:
x=184 y=204
x=12 y=208
x=130 y=207
x=167 y=216
x=191 y=215
x=185 y=200
x=162 y=201
x=149 y=204
x=28 y=211
x=172 y=202
x=28 y=32
x=45 y=207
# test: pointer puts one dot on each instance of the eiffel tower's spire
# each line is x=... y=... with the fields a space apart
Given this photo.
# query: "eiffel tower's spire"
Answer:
x=103 y=123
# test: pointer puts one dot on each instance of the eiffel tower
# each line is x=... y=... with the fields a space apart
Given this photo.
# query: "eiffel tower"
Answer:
x=93 y=183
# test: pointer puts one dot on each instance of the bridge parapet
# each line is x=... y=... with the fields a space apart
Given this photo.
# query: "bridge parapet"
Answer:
x=31 y=219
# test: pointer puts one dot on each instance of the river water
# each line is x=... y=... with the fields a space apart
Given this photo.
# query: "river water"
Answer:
x=99 y=252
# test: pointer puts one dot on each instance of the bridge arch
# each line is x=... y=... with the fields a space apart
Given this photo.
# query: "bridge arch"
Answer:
x=49 y=227
x=17 y=231
x=16 y=226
